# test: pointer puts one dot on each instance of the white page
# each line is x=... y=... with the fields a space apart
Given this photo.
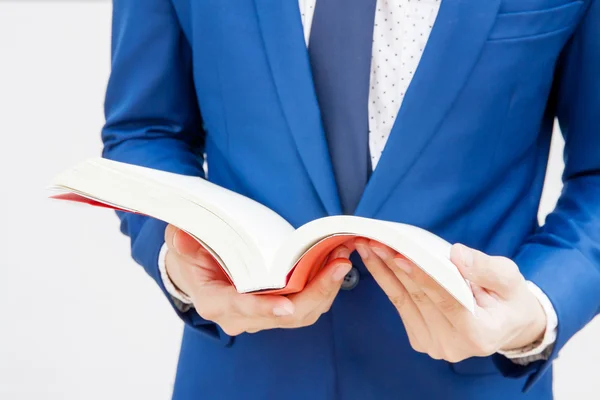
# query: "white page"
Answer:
x=428 y=251
x=136 y=192
x=265 y=228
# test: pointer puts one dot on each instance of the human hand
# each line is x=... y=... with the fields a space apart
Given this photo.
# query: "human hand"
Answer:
x=507 y=314
x=193 y=270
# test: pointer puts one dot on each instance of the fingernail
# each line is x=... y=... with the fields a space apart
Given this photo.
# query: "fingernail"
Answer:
x=283 y=310
x=341 y=252
x=175 y=240
x=340 y=272
x=404 y=265
x=467 y=256
x=381 y=253
x=362 y=250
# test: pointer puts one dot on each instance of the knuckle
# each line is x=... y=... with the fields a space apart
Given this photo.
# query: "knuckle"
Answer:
x=294 y=321
x=340 y=252
x=207 y=312
x=454 y=357
x=169 y=232
x=255 y=329
x=418 y=297
x=504 y=271
x=483 y=348
x=506 y=263
x=501 y=262
x=250 y=305
x=480 y=258
x=473 y=336
x=313 y=319
x=285 y=322
x=415 y=345
x=310 y=319
x=324 y=290
x=398 y=300
x=231 y=329
x=513 y=273
x=489 y=349
x=448 y=306
x=260 y=308
x=236 y=306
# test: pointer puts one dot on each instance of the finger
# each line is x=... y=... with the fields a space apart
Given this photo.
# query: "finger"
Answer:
x=386 y=279
x=199 y=270
x=234 y=324
x=186 y=275
x=405 y=271
x=219 y=300
x=340 y=267
x=350 y=245
x=418 y=282
x=263 y=306
x=497 y=274
x=321 y=290
x=412 y=319
x=169 y=234
x=433 y=302
x=339 y=252
x=250 y=325
x=204 y=268
x=415 y=279
x=442 y=312
x=483 y=298
x=187 y=246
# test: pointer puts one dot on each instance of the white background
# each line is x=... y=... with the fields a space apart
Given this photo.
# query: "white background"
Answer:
x=78 y=318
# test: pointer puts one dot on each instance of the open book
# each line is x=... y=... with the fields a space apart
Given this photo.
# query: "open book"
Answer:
x=257 y=249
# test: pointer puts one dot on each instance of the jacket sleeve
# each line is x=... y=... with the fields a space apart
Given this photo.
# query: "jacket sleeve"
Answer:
x=152 y=116
x=563 y=256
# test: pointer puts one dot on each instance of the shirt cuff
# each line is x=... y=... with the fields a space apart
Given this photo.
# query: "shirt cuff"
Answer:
x=182 y=301
x=542 y=348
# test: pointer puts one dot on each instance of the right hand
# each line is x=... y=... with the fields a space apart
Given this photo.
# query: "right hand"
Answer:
x=193 y=270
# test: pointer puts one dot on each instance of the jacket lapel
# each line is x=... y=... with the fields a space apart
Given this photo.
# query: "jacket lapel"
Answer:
x=286 y=50
x=456 y=40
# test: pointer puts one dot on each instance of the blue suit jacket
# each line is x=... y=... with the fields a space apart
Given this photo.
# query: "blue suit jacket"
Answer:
x=466 y=159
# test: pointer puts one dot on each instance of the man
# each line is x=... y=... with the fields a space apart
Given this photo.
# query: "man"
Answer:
x=434 y=113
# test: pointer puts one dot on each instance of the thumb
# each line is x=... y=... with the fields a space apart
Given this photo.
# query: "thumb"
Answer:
x=184 y=244
x=496 y=274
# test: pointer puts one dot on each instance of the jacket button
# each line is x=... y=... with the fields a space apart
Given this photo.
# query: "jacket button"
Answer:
x=351 y=279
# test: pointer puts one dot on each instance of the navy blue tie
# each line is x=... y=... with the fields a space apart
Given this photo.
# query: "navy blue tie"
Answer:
x=340 y=49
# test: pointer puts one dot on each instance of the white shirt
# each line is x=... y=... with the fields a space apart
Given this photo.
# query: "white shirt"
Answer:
x=401 y=31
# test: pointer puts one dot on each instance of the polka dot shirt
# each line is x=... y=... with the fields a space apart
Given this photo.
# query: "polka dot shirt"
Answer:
x=401 y=31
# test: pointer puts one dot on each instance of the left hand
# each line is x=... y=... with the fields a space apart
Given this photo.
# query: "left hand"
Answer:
x=507 y=314
x=195 y=272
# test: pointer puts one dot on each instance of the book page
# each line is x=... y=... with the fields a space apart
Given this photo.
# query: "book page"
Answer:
x=261 y=225
x=428 y=251
x=240 y=232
